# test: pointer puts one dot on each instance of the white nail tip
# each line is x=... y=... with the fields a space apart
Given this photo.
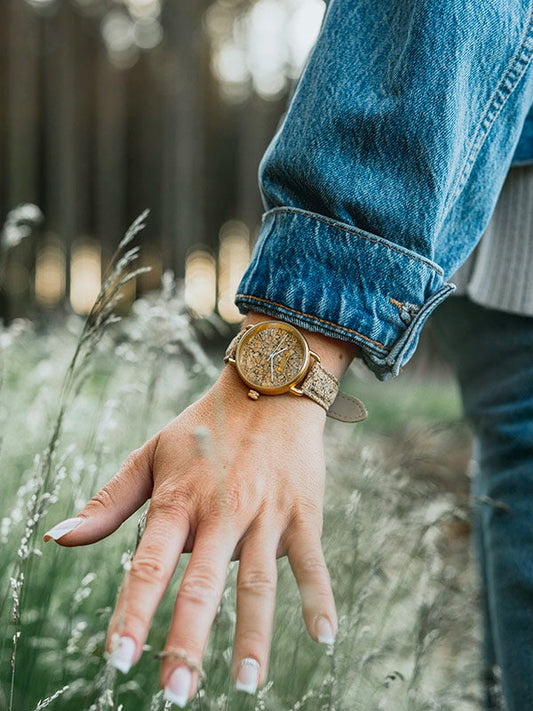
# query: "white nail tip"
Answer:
x=324 y=631
x=326 y=640
x=177 y=699
x=248 y=676
x=179 y=686
x=248 y=688
x=62 y=528
x=122 y=657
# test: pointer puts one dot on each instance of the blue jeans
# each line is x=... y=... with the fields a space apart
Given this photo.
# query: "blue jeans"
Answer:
x=388 y=165
x=492 y=353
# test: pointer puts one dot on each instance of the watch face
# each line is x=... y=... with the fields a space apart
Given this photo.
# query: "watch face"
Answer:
x=271 y=357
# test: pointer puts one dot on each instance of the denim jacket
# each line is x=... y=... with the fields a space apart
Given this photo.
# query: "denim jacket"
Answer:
x=387 y=166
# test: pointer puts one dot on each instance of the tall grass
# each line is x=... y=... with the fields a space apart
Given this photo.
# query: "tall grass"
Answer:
x=75 y=399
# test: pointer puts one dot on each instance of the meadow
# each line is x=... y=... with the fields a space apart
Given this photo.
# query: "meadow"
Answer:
x=76 y=398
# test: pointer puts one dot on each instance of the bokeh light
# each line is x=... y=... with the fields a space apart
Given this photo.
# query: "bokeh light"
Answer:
x=117 y=31
x=262 y=48
x=50 y=274
x=233 y=258
x=85 y=275
x=200 y=282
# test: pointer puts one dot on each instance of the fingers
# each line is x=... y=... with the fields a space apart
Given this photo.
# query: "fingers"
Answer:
x=143 y=587
x=195 y=609
x=309 y=568
x=200 y=594
x=113 y=504
x=256 y=598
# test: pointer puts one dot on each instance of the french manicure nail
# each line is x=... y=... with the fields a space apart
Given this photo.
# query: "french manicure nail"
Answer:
x=248 y=676
x=324 y=631
x=62 y=528
x=122 y=656
x=179 y=687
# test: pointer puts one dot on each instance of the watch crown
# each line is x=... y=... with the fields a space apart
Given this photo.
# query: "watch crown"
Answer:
x=253 y=394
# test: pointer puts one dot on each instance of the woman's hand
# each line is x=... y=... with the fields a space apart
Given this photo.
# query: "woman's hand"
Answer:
x=229 y=478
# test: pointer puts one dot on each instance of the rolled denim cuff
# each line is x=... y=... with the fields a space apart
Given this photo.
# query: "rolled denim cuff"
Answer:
x=341 y=281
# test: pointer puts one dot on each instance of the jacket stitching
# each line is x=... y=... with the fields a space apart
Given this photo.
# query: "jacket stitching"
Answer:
x=315 y=318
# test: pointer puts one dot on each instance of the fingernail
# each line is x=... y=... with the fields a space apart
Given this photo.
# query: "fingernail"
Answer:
x=179 y=687
x=122 y=656
x=248 y=676
x=61 y=529
x=324 y=631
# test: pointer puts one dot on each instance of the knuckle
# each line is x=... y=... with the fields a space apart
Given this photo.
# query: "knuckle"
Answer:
x=147 y=570
x=231 y=501
x=312 y=564
x=257 y=641
x=132 y=461
x=103 y=499
x=306 y=511
x=257 y=582
x=133 y=620
x=169 y=506
x=200 y=588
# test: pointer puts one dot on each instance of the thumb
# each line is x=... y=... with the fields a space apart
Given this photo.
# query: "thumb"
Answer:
x=113 y=504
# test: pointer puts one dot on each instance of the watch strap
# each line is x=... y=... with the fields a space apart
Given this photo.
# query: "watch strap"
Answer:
x=320 y=385
x=323 y=387
x=347 y=408
x=231 y=350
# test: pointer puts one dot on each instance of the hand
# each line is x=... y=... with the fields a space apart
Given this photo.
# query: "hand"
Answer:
x=228 y=478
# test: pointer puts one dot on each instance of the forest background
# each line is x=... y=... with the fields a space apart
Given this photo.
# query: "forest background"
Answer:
x=109 y=107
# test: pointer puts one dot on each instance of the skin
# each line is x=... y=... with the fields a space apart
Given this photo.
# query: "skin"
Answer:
x=229 y=478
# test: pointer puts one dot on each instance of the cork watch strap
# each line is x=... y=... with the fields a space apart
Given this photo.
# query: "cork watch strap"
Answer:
x=323 y=387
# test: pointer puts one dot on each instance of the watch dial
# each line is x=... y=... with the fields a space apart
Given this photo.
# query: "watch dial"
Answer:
x=272 y=357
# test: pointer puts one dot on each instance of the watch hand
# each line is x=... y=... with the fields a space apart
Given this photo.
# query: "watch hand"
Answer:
x=283 y=362
x=279 y=344
x=273 y=355
x=271 y=359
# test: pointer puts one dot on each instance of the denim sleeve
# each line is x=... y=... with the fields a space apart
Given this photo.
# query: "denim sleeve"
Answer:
x=387 y=166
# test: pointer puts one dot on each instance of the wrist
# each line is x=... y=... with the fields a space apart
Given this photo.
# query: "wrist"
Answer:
x=273 y=357
x=235 y=391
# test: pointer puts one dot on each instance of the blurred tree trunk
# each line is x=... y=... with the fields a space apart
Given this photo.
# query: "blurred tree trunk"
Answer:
x=4 y=143
x=61 y=140
x=183 y=203
x=22 y=113
x=111 y=176
x=254 y=135
x=22 y=105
